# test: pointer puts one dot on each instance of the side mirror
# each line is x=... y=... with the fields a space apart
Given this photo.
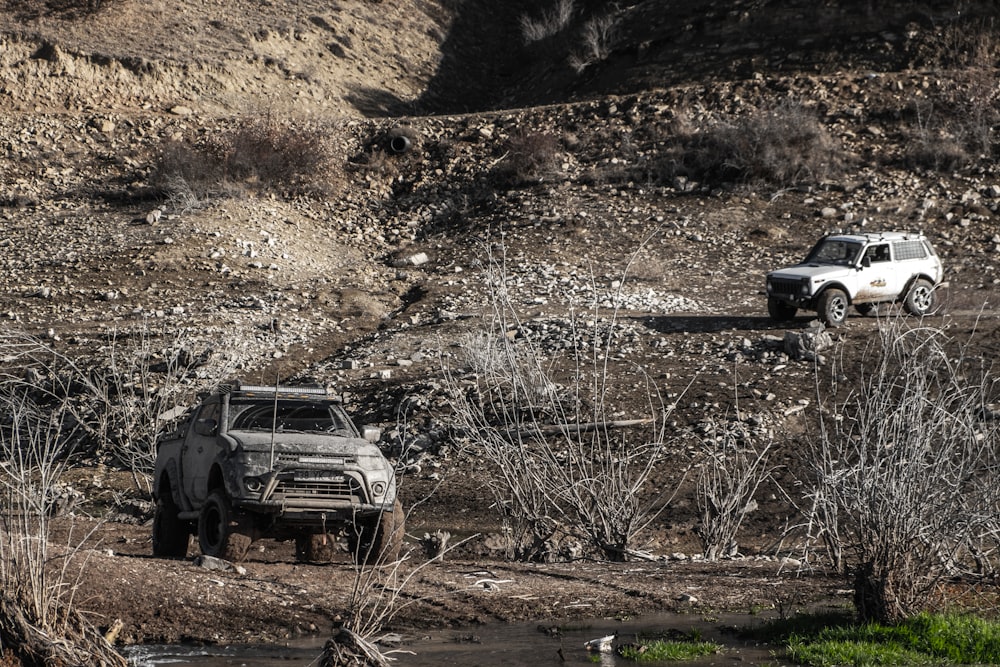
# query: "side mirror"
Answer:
x=866 y=261
x=371 y=433
x=206 y=427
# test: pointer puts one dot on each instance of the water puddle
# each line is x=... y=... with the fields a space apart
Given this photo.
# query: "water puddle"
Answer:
x=494 y=645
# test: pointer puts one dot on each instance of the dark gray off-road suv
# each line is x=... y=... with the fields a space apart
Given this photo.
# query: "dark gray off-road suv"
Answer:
x=279 y=462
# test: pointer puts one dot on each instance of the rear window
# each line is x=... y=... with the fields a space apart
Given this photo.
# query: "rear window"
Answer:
x=909 y=250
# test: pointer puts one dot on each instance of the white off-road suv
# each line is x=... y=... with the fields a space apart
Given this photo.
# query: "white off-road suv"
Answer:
x=862 y=270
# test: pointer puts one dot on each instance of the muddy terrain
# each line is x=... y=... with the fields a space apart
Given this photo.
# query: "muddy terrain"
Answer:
x=374 y=276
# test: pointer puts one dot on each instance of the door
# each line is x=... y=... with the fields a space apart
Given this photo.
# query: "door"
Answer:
x=876 y=279
x=199 y=452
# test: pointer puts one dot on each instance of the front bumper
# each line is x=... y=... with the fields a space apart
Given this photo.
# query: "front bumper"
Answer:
x=315 y=513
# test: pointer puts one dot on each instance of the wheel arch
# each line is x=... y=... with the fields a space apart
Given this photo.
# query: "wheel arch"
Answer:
x=166 y=486
x=834 y=285
x=914 y=278
x=216 y=480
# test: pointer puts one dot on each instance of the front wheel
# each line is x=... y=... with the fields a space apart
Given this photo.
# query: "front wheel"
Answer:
x=832 y=307
x=779 y=310
x=218 y=534
x=379 y=539
x=920 y=299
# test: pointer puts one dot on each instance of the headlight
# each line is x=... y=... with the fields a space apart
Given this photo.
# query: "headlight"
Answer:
x=253 y=484
x=805 y=287
x=378 y=488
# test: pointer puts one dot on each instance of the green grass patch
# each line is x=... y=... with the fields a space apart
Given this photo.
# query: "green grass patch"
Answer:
x=668 y=647
x=660 y=650
x=925 y=639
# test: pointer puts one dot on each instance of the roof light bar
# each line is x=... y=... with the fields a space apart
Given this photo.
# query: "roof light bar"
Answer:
x=271 y=389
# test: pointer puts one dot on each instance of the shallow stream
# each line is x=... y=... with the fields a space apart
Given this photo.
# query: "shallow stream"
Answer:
x=494 y=645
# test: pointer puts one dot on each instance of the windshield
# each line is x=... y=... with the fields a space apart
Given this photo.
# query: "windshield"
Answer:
x=290 y=416
x=834 y=251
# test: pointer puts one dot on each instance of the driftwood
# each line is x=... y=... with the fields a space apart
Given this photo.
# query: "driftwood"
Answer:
x=80 y=644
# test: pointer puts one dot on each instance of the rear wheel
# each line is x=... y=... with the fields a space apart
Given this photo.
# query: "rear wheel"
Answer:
x=379 y=539
x=832 y=307
x=218 y=529
x=170 y=534
x=779 y=310
x=920 y=299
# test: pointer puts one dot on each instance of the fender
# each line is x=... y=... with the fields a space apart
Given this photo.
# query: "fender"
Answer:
x=909 y=284
x=833 y=285
x=169 y=477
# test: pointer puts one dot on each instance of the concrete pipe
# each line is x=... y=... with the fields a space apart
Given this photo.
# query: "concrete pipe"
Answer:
x=399 y=144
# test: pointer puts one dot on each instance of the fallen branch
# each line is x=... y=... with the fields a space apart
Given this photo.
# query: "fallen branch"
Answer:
x=557 y=429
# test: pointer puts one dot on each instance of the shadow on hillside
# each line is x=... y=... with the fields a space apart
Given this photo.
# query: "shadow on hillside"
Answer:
x=486 y=63
x=480 y=58
x=376 y=103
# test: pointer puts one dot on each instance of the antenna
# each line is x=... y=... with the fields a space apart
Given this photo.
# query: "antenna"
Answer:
x=274 y=418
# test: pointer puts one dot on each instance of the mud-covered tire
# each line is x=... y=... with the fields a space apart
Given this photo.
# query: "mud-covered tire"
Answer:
x=218 y=529
x=316 y=548
x=379 y=539
x=171 y=536
x=832 y=307
x=779 y=310
x=865 y=309
x=920 y=299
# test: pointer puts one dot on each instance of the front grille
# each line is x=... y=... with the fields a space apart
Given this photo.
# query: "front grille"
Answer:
x=785 y=287
x=291 y=492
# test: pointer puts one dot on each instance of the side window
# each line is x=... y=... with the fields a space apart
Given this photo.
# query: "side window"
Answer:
x=208 y=414
x=909 y=250
x=878 y=253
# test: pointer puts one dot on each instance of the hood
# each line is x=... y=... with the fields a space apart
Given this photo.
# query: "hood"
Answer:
x=304 y=442
x=825 y=271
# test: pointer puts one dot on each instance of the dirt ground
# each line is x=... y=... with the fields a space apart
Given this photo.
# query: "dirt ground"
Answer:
x=272 y=598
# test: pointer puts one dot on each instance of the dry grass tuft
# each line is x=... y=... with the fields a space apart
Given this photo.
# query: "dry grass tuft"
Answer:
x=261 y=154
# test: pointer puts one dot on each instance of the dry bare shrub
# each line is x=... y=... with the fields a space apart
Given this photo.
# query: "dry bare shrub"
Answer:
x=39 y=624
x=382 y=587
x=933 y=144
x=784 y=146
x=562 y=467
x=139 y=383
x=552 y=21
x=260 y=154
x=954 y=124
x=904 y=473
x=732 y=469
x=596 y=42
x=120 y=395
x=529 y=157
